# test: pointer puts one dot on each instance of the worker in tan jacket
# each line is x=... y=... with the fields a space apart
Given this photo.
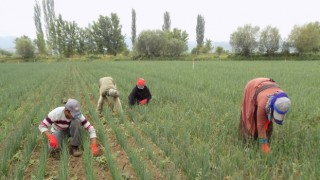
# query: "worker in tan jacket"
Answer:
x=109 y=93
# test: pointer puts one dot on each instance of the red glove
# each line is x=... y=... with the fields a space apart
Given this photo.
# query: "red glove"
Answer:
x=143 y=102
x=53 y=141
x=94 y=149
x=265 y=148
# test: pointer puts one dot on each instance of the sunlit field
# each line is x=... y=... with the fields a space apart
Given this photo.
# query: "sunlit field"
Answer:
x=189 y=130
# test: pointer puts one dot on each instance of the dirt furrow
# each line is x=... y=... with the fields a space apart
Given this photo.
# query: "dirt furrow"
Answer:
x=120 y=155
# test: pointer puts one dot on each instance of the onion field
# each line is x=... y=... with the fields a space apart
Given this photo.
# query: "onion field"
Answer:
x=189 y=130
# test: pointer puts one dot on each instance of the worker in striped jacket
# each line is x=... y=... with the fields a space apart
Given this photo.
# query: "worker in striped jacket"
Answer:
x=65 y=121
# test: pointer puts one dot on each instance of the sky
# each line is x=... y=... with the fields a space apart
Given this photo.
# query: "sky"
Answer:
x=222 y=17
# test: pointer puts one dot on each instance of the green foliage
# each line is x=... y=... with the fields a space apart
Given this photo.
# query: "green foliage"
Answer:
x=203 y=49
x=40 y=41
x=306 y=38
x=202 y=138
x=269 y=41
x=166 y=22
x=67 y=37
x=195 y=51
x=285 y=47
x=26 y=154
x=244 y=41
x=24 y=47
x=161 y=43
x=117 y=43
x=219 y=50
x=150 y=43
x=88 y=158
x=106 y=37
x=200 y=29
x=192 y=119
x=133 y=27
x=64 y=153
x=5 y=53
x=40 y=170
x=49 y=23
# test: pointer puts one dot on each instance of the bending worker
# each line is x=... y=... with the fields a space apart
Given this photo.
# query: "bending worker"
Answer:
x=263 y=103
x=109 y=93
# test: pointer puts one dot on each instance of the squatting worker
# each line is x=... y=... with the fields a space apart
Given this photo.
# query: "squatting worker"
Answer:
x=109 y=93
x=65 y=121
x=263 y=103
x=140 y=94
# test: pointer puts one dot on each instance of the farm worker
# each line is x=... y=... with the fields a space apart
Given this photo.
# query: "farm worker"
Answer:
x=263 y=103
x=66 y=121
x=108 y=93
x=140 y=94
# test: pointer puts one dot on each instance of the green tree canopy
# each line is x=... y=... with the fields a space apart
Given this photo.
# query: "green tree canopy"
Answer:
x=269 y=41
x=305 y=38
x=106 y=35
x=67 y=37
x=151 y=43
x=244 y=40
x=155 y=43
x=24 y=47
x=219 y=50
x=116 y=44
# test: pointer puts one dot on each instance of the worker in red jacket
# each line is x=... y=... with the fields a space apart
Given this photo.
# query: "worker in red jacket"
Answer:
x=264 y=102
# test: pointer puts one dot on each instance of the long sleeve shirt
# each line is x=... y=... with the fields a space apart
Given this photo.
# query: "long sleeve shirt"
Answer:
x=59 y=122
x=256 y=124
x=105 y=84
x=137 y=95
x=262 y=117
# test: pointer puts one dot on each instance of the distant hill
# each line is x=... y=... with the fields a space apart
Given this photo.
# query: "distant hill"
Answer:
x=7 y=43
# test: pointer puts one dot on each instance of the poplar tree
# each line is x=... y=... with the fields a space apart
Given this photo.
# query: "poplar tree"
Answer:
x=40 y=41
x=200 y=30
x=166 y=22
x=133 y=27
x=49 y=19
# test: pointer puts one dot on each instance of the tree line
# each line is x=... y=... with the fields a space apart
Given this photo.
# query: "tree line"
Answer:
x=58 y=37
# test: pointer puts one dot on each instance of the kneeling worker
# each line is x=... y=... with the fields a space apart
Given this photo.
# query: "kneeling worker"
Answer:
x=140 y=94
x=66 y=121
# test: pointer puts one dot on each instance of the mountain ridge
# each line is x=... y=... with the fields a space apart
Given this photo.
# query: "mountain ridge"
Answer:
x=7 y=43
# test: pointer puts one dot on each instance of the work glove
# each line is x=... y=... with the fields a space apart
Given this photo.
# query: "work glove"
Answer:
x=265 y=148
x=94 y=149
x=53 y=141
x=143 y=102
